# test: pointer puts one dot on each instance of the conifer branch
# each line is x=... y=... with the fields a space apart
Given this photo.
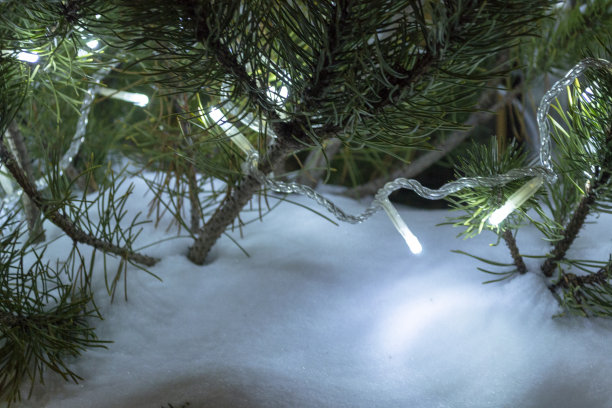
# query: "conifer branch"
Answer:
x=514 y=251
x=17 y=144
x=600 y=179
x=233 y=203
x=570 y=280
x=63 y=222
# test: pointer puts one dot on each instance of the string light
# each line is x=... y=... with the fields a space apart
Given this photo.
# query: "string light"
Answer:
x=411 y=240
x=137 y=99
x=543 y=172
x=24 y=56
x=517 y=199
x=93 y=44
x=233 y=133
x=27 y=56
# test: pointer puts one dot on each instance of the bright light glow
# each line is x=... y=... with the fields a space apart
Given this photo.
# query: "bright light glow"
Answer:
x=517 y=199
x=93 y=44
x=27 y=56
x=501 y=213
x=216 y=115
x=411 y=240
x=587 y=95
x=278 y=96
x=232 y=132
x=137 y=99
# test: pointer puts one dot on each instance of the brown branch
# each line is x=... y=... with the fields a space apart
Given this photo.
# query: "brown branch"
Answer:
x=514 y=251
x=230 y=208
x=570 y=280
x=577 y=221
x=18 y=146
x=63 y=222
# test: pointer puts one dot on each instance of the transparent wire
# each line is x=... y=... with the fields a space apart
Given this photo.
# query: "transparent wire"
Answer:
x=543 y=168
x=79 y=134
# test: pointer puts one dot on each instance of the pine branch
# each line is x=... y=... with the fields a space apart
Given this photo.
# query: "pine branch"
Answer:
x=17 y=144
x=65 y=224
x=201 y=12
x=230 y=208
x=514 y=251
x=578 y=217
x=570 y=280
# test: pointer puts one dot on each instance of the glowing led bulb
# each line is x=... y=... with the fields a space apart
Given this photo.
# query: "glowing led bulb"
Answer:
x=411 y=240
x=137 y=99
x=93 y=44
x=278 y=95
x=516 y=200
x=27 y=56
x=232 y=132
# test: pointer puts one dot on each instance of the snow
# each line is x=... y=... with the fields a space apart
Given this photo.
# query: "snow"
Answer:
x=322 y=315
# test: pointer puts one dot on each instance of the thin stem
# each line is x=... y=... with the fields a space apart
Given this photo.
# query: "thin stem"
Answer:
x=514 y=251
x=52 y=213
x=18 y=146
x=577 y=221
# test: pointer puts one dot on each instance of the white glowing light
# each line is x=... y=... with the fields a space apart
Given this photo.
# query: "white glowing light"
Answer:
x=98 y=16
x=411 y=240
x=232 y=132
x=93 y=44
x=216 y=115
x=27 y=56
x=501 y=213
x=278 y=96
x=137 y=99
x=517 y=199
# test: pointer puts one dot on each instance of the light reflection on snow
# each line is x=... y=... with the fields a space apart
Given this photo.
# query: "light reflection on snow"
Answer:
x=406 y=322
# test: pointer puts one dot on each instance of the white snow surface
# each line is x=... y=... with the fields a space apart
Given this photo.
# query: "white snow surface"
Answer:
x=322 y=315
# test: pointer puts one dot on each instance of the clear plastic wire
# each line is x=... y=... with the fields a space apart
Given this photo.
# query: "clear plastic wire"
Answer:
x=79 y=134
x=543 y=169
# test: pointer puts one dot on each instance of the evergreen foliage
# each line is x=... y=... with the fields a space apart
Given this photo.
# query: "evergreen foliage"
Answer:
x=377 y=80
x=582 y=132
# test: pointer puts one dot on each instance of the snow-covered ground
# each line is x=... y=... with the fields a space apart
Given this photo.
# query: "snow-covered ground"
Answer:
x=339 y=316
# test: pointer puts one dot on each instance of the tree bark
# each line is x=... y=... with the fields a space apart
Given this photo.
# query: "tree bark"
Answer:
x=18 y=146
x=514 y=252
x=229 y=210
x=63 y=222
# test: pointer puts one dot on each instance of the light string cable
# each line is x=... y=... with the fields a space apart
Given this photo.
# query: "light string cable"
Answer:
x=541 y=172
x=79 y=134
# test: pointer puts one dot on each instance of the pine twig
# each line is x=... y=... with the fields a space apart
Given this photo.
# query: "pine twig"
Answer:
x=233 y=203
x=63 y=222
x=18 y=146
x=514 y=251
x=577 y=221
x=569 y=280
